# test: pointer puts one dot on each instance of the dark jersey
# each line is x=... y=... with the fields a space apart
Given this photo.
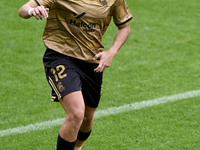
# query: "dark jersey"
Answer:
x=75 y=27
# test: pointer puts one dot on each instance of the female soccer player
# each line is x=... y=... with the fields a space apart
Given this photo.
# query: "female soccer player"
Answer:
x=74 y=60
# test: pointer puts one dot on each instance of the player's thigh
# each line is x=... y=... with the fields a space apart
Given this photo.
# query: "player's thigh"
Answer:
x=73 y=103
x=89 y=112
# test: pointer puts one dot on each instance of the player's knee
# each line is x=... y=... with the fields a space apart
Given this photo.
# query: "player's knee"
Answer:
x=76 y=118
x=88 y=119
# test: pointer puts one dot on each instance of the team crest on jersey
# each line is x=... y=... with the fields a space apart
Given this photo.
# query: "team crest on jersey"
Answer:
x=60 y=87
x=103 y=2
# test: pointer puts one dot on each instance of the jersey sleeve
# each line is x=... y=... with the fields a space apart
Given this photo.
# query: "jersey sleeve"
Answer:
x=121 y=14
x=45 y=3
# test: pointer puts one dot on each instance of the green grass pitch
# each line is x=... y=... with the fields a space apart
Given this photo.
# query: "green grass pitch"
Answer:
x=160 y=58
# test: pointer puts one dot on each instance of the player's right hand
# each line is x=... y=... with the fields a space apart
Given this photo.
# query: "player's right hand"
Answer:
x=40 y=12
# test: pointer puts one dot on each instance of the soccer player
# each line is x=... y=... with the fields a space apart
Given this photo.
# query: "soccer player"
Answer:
x=74 y=59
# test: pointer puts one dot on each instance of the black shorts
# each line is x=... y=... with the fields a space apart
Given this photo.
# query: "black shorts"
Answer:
x=66 y=75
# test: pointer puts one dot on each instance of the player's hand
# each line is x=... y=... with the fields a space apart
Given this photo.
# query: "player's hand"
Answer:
x=106 y=59
x=40 y=12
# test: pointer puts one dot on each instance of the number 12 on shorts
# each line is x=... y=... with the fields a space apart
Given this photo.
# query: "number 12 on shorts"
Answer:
x=60 y=69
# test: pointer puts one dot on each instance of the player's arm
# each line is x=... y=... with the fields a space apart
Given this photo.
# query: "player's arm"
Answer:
x=29 y=9
x=106 y=57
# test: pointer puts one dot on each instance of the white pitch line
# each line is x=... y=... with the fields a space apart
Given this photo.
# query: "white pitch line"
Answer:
x=102 y=113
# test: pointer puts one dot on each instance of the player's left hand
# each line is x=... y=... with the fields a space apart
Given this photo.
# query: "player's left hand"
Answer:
x=106 y=59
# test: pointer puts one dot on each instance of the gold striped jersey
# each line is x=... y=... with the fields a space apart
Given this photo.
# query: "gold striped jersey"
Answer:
x=75 y=27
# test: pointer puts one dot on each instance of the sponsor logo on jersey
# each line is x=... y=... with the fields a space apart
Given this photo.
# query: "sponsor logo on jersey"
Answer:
x=87 y=27
x=79 y=16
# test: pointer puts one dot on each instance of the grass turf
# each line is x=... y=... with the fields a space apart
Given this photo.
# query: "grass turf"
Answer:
x=160 y=58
